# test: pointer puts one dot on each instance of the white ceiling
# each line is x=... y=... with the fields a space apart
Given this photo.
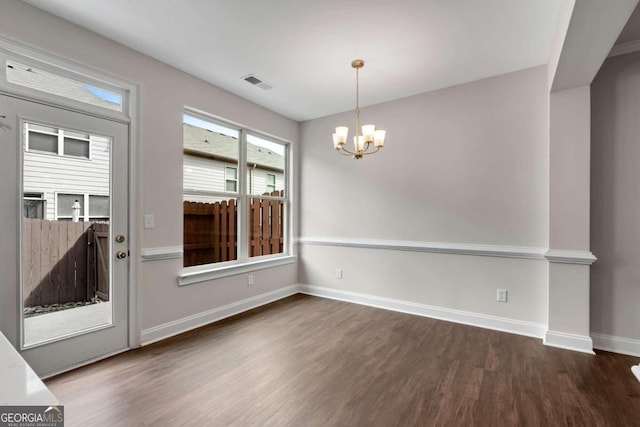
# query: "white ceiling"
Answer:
x=304 y=48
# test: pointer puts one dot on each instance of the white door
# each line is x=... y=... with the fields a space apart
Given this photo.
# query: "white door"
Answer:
x=63 y=234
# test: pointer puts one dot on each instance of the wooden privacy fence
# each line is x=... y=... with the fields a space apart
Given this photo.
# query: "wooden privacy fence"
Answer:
x=62 y=262
x=210 y=229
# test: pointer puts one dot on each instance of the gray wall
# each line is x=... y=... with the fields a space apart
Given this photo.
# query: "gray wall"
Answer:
x=615 y=198
x=164 y=91
x=466 y=164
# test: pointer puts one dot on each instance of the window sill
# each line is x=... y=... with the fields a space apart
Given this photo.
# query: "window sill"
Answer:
x=189 y=276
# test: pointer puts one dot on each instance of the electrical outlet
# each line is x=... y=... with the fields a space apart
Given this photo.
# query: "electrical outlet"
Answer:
x=250 y=280
x=339 y=273
x=502 y=295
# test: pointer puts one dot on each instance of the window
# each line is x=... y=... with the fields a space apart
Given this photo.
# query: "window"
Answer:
x=271 y=183
x=217 y=184
x=89 y=207
x=56 y=84
x=231 y=179
x=34 y=205
x=57 y=141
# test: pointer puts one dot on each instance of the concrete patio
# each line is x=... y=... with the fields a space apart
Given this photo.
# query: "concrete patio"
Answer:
x=66 y=322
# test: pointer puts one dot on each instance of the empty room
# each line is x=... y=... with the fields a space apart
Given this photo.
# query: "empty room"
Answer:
x=319 y=213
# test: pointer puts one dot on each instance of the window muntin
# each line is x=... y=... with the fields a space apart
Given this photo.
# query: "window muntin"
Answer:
x=219 y=185
x=55 y=84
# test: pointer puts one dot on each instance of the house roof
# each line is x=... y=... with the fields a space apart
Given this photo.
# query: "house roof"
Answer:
x=207 y=143
x=35 y=78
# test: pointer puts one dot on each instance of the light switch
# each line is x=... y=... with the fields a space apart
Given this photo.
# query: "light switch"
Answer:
x=149 y=221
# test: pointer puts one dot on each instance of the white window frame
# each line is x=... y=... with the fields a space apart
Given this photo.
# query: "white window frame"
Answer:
x=86 y=215
x=267 y=185
x=226 y=179
x=243 y=263
x=61 y=135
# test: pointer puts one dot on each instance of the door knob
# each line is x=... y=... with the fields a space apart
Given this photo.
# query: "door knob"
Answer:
x=121 y=254
x=120 y=238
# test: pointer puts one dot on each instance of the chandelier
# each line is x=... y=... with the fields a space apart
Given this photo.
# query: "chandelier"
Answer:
x=361 y=143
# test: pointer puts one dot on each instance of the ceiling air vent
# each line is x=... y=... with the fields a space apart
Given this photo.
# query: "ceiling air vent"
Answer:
x=257 y=82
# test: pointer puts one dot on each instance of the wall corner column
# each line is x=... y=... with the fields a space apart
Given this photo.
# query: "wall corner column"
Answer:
x=569 y=253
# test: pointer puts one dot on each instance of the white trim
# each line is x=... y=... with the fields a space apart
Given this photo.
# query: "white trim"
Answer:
x=27 y=54
x=154 y=254
x=14 y=48
x=503 y=324
x=581 y=343
x=615 y=344
x=191 y=275
x=570 y=257
x=624 y=48
x=188 y=323
x=527 y=252
x=636 y=371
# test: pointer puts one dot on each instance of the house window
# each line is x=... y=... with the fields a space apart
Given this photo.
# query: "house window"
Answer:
x=90 y=207
x=34 y=205
x=271 y=183
x=57 y=141
x=231 y=179
x=217 y=185
x=65 y=206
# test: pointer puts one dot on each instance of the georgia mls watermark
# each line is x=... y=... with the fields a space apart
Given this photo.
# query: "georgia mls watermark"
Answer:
x=31 y=416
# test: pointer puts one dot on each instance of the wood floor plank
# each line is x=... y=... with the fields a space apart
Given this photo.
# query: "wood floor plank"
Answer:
x=307 y=361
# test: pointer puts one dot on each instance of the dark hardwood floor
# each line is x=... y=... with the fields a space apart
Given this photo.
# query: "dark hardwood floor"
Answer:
x=306 y=361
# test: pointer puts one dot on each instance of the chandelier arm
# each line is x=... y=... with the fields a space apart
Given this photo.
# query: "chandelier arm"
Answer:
x=344 y=152
x=364 y=153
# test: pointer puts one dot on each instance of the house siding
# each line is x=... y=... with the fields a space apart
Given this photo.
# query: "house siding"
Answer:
x=51 y=173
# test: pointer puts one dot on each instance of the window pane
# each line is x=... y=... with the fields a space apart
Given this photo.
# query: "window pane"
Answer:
x=66 y=202
x=210 y=230
x=43 y=142
x=34 y=209
x=76 y=147
x=44 y=81
x=210 y=156
x=266 y=226
x=265 y=166
x=99 y=206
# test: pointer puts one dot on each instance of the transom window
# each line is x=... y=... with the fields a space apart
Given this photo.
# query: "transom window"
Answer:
x=226 y=171
x=56 y=84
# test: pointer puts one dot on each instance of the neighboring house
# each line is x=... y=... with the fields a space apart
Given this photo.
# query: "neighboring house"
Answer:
x=62 y=166
x=211 y=165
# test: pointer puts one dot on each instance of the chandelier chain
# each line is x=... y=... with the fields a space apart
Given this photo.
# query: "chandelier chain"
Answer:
x=357 y=101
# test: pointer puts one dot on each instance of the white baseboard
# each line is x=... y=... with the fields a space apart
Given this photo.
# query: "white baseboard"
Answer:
x=465 y=317
x=581 y=343
x=616 y=344
x=185 y=324
x=636 y=371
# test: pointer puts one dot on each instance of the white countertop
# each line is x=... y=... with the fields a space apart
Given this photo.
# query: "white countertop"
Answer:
x=19 y=384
